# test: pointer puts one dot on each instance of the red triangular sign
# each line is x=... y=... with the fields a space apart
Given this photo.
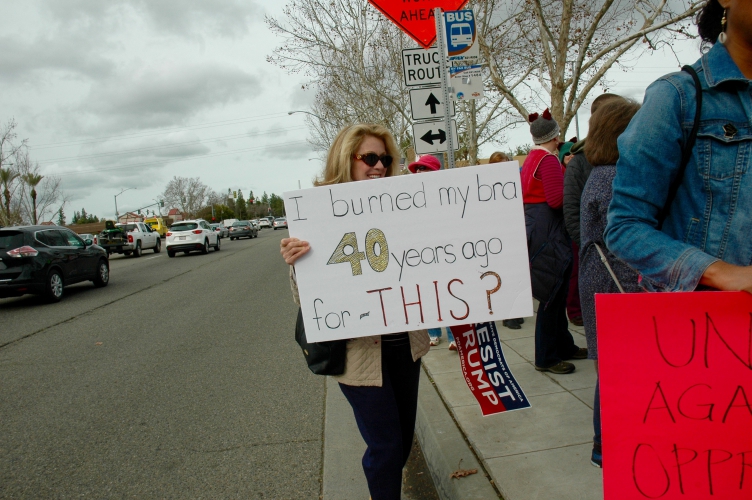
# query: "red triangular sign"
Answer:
x=415 y=17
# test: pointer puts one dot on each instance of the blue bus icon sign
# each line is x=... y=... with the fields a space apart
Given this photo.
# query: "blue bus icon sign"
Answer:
x=459 y=29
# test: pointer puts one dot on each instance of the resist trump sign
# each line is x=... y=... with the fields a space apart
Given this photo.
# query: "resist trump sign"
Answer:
x=412 y=251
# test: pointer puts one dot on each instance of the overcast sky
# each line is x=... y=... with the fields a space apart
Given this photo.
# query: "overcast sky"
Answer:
x=122 y=94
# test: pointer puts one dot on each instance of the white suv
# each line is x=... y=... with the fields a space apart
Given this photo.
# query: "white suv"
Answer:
x=187 y=235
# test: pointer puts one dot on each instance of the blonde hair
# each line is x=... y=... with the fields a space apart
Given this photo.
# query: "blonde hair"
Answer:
x=339 y=161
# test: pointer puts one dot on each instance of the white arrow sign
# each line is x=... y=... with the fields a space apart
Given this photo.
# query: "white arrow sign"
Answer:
x=428 y=103
x=431 y=137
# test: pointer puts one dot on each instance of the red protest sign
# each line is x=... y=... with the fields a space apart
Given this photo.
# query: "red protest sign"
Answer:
x=415 y=17
x=676 y=395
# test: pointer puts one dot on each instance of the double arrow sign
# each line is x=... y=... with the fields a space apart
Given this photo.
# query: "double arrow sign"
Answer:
x=430 y=136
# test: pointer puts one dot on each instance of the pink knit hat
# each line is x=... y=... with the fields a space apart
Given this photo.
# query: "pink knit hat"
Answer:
x=428 y=161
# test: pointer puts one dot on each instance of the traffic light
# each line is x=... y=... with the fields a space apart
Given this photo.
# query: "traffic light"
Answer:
x=161 y=203
x=213 y=219
x=234 y=194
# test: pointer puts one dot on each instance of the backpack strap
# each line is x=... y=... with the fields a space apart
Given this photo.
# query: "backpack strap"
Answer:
x=686 y=151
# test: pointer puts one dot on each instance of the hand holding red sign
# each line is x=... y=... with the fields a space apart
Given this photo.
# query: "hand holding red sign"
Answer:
x=415 y=17
x=676 y=395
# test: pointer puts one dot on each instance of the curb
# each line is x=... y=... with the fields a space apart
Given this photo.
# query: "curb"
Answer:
x=444 y=445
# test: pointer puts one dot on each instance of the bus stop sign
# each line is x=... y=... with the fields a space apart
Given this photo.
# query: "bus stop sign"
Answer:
x=415 y=18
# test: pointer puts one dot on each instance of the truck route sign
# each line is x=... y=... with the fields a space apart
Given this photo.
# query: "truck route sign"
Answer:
x=421 y=66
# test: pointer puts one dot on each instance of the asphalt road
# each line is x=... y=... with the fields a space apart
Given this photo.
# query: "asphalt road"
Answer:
x=181 y=379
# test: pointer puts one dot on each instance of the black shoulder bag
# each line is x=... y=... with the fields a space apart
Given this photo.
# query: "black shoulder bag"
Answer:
x=686 y=152
x=323 y=358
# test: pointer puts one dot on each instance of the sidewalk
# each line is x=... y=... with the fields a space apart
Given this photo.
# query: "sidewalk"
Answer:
x=540 y=452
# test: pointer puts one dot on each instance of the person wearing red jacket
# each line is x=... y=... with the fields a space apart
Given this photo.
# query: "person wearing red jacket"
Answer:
x=549 y=247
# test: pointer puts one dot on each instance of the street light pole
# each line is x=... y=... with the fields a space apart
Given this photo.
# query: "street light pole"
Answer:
x=117 y=214
x=314 y=115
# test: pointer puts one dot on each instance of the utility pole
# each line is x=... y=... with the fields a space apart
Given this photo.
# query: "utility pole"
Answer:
x=441 y=44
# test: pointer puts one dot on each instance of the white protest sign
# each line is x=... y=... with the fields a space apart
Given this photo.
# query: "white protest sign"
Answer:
x=412 y=251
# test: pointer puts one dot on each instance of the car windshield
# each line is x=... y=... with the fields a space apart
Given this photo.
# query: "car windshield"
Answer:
x=239 y=223
x=10 y=240
x=183 y=226
x=152 y=224
x=127 y=227
x=280 y=219
x=215 y=226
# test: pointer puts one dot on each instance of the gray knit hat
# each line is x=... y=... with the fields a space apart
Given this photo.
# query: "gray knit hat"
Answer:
x=543 y=128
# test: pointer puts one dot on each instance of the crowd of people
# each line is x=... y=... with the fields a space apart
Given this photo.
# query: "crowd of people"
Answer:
x=654 y=199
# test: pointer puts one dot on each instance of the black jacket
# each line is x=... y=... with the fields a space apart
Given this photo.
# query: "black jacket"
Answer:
x=575 y=178
x=549 y=250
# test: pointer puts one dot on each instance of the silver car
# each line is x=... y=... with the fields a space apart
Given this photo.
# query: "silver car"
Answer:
x=222 y=230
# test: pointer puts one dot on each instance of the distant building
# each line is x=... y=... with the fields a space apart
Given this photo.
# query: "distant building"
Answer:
x=175 y=214
x=130 y=217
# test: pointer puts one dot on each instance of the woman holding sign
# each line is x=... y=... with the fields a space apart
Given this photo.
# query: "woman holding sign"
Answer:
x=381 y=372
x=681 y=213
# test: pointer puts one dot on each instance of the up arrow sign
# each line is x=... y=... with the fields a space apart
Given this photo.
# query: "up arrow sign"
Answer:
x=432 y=102
x=426 y=103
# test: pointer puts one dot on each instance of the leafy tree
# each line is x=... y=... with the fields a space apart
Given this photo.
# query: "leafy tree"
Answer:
x=32 y=180
x=60 y=217
x=37 y=195
x=277 y=205
x=84 y=216
x=241 y=209
x=7 y=178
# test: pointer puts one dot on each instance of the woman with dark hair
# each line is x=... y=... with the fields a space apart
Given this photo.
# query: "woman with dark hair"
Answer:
x=381 y=372
x=700 y=233
x=606 y=125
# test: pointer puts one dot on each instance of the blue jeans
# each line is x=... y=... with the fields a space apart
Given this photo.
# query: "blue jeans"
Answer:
x=436 y=333
x=386 y=419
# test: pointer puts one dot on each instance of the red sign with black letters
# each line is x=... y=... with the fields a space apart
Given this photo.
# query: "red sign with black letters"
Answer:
x=415 y=17
x=676 y=395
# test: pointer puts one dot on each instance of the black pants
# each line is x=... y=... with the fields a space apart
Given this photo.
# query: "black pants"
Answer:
x=553 y=341
x=386 y=418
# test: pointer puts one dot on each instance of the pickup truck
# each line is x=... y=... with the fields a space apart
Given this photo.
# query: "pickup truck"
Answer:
x=131 y=238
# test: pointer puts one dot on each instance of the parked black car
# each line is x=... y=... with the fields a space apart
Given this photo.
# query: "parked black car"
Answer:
x=44 y=259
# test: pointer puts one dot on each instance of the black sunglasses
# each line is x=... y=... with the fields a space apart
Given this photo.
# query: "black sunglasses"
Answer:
x=371 y=159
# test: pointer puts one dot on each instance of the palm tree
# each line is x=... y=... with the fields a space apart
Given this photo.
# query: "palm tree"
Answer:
x=32 y=180
x=6 y=177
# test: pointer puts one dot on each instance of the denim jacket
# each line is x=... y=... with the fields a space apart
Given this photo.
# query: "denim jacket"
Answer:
x=711 y=216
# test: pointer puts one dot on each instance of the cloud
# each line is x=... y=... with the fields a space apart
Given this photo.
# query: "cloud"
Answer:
x=164 y=94
x=289 y=150
x=186 y=18
x=24 y=60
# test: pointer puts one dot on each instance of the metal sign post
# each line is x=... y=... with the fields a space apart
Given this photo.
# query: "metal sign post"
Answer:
x=441 y=41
